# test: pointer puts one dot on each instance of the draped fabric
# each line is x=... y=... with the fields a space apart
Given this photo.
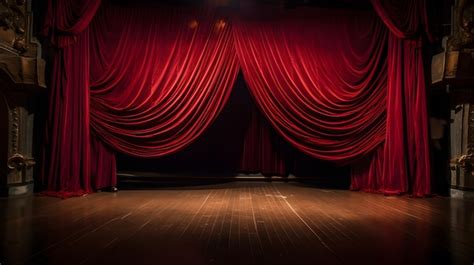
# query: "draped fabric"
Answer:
x=263 y=152
x=66 y=167
x=368 y=173
x=146 y=95
x=404 y=18
x=339 y=85
x=103 y=164
x=404 y=164
x=65 y=20
x=155 y=91
x=320 y=79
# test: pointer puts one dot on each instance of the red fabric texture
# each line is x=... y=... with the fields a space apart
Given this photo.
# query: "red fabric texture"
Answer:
x=103 y=165
x=65 y=20
x=404 y=165
x=404 y=18
x=147 y=81
x=147 y=95
x=66 y=167
x=262 y=149
x=157 y=90
x=368 y=173
x=320 y=79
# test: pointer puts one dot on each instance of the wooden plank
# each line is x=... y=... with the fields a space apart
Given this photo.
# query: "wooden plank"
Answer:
x=238 y=223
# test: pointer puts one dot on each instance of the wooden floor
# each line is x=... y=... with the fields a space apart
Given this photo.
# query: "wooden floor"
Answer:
x=237 y=223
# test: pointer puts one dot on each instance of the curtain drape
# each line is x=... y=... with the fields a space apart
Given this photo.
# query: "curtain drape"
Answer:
x=66 y=166
x=263 y=151
x=404 y=165
x=404 y=18
x=148 y=80
x=149 y=94
x=155 y=91
x=65 y=20
x=319 y=78
x=103 y=165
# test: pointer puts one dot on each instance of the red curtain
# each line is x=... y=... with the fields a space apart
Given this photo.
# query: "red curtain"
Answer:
x=404 y=18
x=320 y=78
x=149 y=94
x=155 y=91
x=263 y=151
x=67 y=168
x=147 y=81
x=65 y=20
x=103 y=165
x=404 y=165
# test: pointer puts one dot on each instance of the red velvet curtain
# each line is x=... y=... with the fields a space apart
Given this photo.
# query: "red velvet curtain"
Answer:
x=404 y=165
x=103 y=165
x=149 y=94
x=149 y=80
x=404 y=18
x=156 y=90
x=65 y=20
x=319 y=77
x=263 y=152
x=66 y=167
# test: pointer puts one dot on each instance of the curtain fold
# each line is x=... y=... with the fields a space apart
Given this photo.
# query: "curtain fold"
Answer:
x=320 y=79
x=406 y=157
x=263 y=151
x=103 y=165
x=66 y=166
x=157 y=90
x=368 y=173
x=149 y=94
x=65 y=20
x=404 y=18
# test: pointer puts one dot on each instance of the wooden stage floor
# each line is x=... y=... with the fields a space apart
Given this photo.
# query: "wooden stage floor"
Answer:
x=236 y=223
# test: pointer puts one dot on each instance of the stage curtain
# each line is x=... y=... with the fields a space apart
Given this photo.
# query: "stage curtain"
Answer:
x=263 y=151
x=320 y=77
x=147 y=81
x=404 y=18
x=66 y=164
x=103 y=165
x=143 y=80
x=65 y=20
x=406 y=157
x=159 y=76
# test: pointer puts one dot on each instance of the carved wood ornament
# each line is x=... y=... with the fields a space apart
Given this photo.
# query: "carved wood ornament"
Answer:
x=463 y=36
x=13 y=20
x=21 y=79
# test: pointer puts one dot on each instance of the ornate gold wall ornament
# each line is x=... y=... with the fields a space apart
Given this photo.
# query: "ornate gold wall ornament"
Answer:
x=455 y=65
x=22 y=72
x=19 y=162
x=14 y=23
x=463 y=36
x=464 y=161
